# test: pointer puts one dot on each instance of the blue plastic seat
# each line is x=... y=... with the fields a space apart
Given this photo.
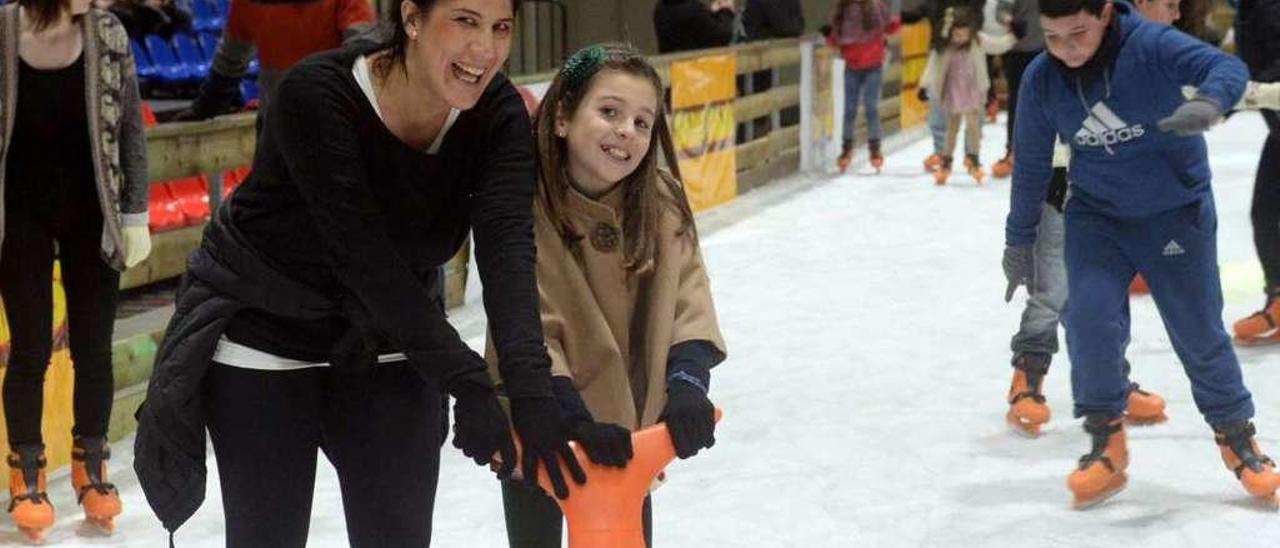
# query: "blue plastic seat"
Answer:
x=189 y=53
x=141 y=61
x=168 y=68
x=248 y=90
x=209 y=44
x=208 y=15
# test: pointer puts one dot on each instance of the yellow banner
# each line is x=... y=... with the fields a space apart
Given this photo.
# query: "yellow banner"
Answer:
x=915 y=53
x=823 y=128
x=703 y=127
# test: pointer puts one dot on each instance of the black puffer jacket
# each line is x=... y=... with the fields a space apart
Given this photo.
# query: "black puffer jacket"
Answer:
x=935 y=10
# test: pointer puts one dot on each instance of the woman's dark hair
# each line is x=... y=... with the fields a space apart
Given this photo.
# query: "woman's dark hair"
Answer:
x=398 y=39
x=1193 y=16
x=643 y=202
x=1063 y=8
x=44 y=12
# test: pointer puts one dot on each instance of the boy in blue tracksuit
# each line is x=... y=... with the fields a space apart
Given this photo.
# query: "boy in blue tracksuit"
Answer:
x=1140 y=202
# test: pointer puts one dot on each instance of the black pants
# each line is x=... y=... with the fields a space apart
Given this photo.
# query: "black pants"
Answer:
x=26 y=285
x=1015 y=63
x=1266 y=204
x=382 y=432
x=534 y=519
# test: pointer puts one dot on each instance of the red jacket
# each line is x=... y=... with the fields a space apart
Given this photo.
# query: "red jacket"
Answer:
x=862 y=48
x=286 y=32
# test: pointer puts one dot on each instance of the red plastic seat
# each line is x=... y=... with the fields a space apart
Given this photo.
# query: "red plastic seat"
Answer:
x=164 y=211
x=192 y=196
x=232 y=178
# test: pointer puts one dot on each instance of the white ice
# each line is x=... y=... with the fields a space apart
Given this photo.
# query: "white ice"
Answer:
x=864 y=392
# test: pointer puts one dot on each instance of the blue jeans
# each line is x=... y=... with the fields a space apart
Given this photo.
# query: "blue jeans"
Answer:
x=864 y=84
x=937 y=125
x=1176 y=251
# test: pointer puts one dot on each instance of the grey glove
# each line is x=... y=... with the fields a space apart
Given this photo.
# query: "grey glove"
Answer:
x=1192 y=118
x=1019 y=268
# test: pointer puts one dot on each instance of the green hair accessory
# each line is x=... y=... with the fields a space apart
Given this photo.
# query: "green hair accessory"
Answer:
x=582 y=65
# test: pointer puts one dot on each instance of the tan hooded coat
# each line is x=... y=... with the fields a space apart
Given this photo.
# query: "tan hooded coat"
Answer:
x=610 y=329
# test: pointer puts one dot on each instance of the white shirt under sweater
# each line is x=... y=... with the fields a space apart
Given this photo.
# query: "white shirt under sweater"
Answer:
x=238 y=355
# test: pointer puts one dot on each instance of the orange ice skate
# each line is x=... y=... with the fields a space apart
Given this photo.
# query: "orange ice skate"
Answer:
x=877 y=158
x=1262 y=327
x=1143 y=408
x=1241 y=454
x=1101 y=473
x=29 y=505
x=1003 y=167
x=932 y=162
x=1027 y=408
x=1138 y=286
x=846 y=156
x=100 y=499
x=974 y=167
x=942 y=172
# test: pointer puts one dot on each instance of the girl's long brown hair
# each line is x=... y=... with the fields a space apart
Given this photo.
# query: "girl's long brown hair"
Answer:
x=643 y=202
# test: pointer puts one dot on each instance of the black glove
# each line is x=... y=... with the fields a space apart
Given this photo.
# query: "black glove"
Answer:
x=690 y=418
x=480 y=428
x=1019 y=268
x=541 y=427
x=605 y=443
x=922 y=94
x=1191 y=118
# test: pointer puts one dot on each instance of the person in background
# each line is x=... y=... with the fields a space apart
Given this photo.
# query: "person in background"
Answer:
x=859 y=28
x=283 y=32
x=74 y=180
x=143 y=17
x=1024 y=21
x=1257 y=31
x=768 y=19
x=683 y=25
x=934 y=11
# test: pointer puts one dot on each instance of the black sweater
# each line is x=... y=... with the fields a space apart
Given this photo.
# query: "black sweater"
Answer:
x=338 y=203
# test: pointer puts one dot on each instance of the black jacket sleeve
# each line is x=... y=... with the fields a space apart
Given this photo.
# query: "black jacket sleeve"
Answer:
x=1265 y=16
x=764 y=19
x=316 y=130
x=502 y=221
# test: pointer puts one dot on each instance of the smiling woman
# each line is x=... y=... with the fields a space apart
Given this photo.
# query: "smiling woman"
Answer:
x=312 y=316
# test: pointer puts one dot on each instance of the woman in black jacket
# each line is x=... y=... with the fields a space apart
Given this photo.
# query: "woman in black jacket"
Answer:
x=308 y=318
x=1258 y=43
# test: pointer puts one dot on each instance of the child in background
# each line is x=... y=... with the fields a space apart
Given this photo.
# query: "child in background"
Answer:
x=957 y=76
x=625 y=301
x=859 y=28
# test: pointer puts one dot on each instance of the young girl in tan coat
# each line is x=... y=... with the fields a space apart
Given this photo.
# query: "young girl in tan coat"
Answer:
x=625 y=301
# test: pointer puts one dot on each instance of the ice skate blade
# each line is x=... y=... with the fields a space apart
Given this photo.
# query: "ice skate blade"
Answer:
x=1029 y=430
x=35 y=537
x=1259 y=340
x=99 y=526
x=1135 y=421
x=1111 y=491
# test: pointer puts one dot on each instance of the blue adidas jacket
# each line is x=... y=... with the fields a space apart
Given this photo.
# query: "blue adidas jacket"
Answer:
x=1122 y=165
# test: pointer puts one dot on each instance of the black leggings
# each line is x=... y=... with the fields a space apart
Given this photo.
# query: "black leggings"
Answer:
x=382 y=432
x=1015 y=63
x=26 y=285
x=1266 y=206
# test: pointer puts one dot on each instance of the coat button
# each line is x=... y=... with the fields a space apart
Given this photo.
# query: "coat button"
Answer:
x=605 y=238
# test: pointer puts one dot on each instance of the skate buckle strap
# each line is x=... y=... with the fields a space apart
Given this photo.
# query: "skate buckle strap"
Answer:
x=1100 y=433
x=1240 y=441
x=102 y=488
x=1035 y=395
x=37 y=497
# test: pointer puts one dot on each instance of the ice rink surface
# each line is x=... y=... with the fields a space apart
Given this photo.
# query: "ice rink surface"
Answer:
x=864 y=391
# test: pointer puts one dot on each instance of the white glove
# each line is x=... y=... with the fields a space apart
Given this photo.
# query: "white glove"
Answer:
x=1262 y=96
x=137 y=244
